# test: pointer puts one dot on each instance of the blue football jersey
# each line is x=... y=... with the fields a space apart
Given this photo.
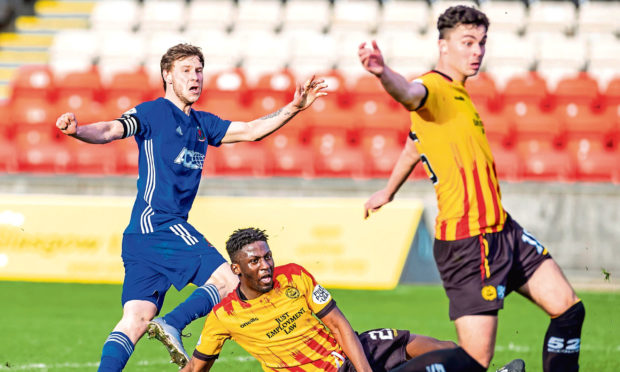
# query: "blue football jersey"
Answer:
x=172 y=148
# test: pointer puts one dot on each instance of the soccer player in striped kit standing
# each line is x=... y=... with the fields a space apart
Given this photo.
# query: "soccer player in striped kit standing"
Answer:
x=160 y=248
x=482 y=253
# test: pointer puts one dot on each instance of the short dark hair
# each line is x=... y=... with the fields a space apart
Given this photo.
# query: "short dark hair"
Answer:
x=242 y=237
x=460 y=15
x=176 y=53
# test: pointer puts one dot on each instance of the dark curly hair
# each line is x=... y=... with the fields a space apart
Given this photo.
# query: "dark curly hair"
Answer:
x=460 y=15
x=242 y=237
x=176 y=53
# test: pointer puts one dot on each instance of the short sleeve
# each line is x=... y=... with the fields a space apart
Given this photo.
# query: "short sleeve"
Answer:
x=425 y=100
x=319 y=299
x=212 y=338
x=214 y=127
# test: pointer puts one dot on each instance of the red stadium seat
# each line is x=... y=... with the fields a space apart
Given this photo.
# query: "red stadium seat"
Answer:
x=368 y=88
x=612 y=93
x=34 y=114
x=599 y=166
x=292 y=161
x=94 y=159
x=333 y=153
x=336 y=87
x=339 y=162
x=240 y=159
x=549 y=165
x=44 y=157
x=135 y=85
x=86 y=109
x=127 y=156
x=530 y=89
x=328 y=113
x=127 y=90
x=507 y=164
x=226 y=108
x=291 y=135
x=529 y=146
x=33 y=81
x=325 y=139
x=381 y=148
x=7 y=129
x=83 y=84
x=530 y=122
x=276 y=86
x=8 y=156
x=115 y=106
x=581 y=90
x=230 y=84
x=483 y=92
x=580 y=122
x=498 y=126
x=581 y=147
x=262 y=106
x=372 y=113
x=377 y=139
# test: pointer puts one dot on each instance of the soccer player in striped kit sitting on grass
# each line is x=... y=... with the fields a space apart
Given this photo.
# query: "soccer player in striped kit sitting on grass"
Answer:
x=274 y=315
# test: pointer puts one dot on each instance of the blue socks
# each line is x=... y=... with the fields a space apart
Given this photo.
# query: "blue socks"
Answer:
x=197 y=305
x=116 y=352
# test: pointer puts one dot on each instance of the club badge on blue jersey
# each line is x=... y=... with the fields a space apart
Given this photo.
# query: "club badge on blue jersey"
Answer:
x=201 y=136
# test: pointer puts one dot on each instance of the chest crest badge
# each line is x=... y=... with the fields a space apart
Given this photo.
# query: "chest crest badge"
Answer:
x=292 y=293
x=201 y=135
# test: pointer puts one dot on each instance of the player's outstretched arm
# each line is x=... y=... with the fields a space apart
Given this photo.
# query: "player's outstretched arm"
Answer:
x=255 y=130
x=408 y=94
x=405 y=164
x=347 y=339
x=197 y=365
x=101 y=132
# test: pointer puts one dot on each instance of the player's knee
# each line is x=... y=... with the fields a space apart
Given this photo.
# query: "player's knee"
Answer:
x=568 y=301
x=224 y=280
x=575 y=314
x=482 y=356
x=137 y=320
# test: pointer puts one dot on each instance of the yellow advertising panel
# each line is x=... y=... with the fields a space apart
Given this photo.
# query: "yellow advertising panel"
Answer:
x=78 y=238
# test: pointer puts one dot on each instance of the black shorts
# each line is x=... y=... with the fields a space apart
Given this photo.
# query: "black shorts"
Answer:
x=478 y=272
x=385 y=348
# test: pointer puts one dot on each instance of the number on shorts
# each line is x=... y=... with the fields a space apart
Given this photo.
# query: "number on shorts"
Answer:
x=381 y=334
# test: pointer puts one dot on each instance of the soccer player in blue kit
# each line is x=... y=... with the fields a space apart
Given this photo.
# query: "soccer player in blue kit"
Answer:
x=160 y=248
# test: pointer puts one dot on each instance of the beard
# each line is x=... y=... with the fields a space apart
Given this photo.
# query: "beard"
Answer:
x=179 y=93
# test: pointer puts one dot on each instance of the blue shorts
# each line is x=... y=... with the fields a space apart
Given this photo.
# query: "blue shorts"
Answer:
x=153 y=262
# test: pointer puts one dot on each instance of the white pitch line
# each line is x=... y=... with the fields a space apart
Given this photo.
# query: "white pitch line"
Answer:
x=45 y=367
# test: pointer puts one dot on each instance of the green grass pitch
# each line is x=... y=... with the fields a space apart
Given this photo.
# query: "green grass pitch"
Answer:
x=61 y=327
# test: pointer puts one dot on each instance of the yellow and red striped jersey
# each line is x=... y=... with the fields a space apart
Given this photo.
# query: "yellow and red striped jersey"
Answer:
x=449 y=135
x=278 y=328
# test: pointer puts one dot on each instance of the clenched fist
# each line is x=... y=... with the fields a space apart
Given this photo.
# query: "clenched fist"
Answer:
x=67 y=123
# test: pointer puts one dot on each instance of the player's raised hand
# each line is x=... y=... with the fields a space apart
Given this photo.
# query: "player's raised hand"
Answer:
x=376 y=201
x=371 y=59
x=67 y=123
x=307 y=93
